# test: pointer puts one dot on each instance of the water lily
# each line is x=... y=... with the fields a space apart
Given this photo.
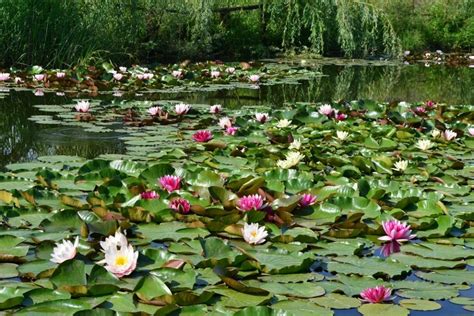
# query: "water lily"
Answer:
x=262 y=117
x=4 y=76
x=254 y=78
x=18 y=80
x=396 y=231
x=254 y=234
x=231 y=130
x=182 y=108
x=177 y=74
x=435 y=133
x=60 y=74
x=401 y=165
x=123 y=69
x=225 y=122
x=430 y=104
x=449 y=134
x=250 y=202
x=82 y=106
x=390 y=247
x=39 y=77
x=148 y=76
x=283 y=123
x=307 y=199
x=216 y=108
x=64 y=250
x=180 y=205
x=119 y=240
x=342 y=135
x=471 y=131
x=154 y=110
x=170 y=183
x=293 y=158
x=424 y=144
x=341 y=116
x=420 y=110
x=230 y=70
x=118 y=76
x=295 y=144
x=202 y=136
x=406 y=53
x=215 y=74
x=121 y=261
x=376 y=294
x=149 y=195
x=39 y=92
x=326 y=109
x=140 y=76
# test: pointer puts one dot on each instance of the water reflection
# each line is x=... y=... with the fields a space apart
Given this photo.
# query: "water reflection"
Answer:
x=388 y=248
x=23 y=140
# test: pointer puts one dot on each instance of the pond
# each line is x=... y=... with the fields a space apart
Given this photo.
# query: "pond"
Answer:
x=312 y=187
x=25 y=140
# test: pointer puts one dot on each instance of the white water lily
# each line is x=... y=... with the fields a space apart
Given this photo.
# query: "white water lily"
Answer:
x=253 y=234
x=403 y=104
x=424 y=144
x=471 y=131
x=123 y=69
x=116 y=241
x=154 y=110
x=82 y=106
x=449 y=134
x=4 y=76
x=182 y=108
x=216 y=108
x=121 y=262
x=435 y=133
x=283 y=123
x=342 y=135
x=292 y=159
x=295 y=144
x=401 y=165
x=326 y=109
x=64 y=250
x=225 y=122
x=261 y=117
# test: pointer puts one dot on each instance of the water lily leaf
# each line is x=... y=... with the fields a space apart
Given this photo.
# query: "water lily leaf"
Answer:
x=10 y=297
x=56 y=307
x=424 y=263
x=232 y=298
x=69 y=273
x=280 y=261
x=291 y=278
x=300 y=307
x=367 y=266
x=383 y=309
x=151 y=287
x=437 y=251
x=173 y=230
x=420 y=305
x=38 y=296
x=337 y=301
x=303 y=290
x=448 y=276
x=8 y=270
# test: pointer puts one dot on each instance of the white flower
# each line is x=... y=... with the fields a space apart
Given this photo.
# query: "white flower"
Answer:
x=117 y=241
x=60 y=74
x=148 y=76
x=215 y=74
x=401 y=165
x=121 y=262
x=435 y=133
x=216 y=108
x=403 y=104
x=471 y=131
x=154 y=110
x=177 y=74
x=296 y=144
x=225 y=122
x=261 y=117
x=449 y=134
x=253 y=234
x=406 y=53
x=64 y=250
x=342 y=135
x=424 y=144
x=123 y=69
x=292 y=159
x=230 y=70
x=182 y=108
x=254 y=78
x=82 y=106
x=326 y=109
x=39 y=77
x=4 y=76
x=118 y=76
x=283 y=123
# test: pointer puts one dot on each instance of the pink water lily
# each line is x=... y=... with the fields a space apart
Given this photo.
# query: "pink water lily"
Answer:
x=230 y=70
x=396 y=231
x=178 y=74
x=154 y=110
x=262 y=117
x=231 y=130
x=430 y=104
x=170 y=183
x=471 y=131
x=4 y=76
x=420 y=110
x=326 y=109
x=123 y=69
x=202 y=136
x=250 y=202
x=60 y=74
x=149 y=195
x=148 y=76
x=388 y=248
x=180 y=205
x=215 y=74
x=118 y=76
x=40 y=77
x=182 y=108
x=254 y=78
x=225 y=122
x=341 y=116
x=82 y=106
x=376 y=294
x=307 y=199
x=216 y=108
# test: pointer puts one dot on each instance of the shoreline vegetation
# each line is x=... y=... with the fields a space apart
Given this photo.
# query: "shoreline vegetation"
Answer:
x=60 y=33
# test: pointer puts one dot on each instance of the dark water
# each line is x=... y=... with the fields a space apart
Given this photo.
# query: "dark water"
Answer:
x=24 y=140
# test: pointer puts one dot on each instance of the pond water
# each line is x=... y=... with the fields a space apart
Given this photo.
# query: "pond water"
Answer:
x=24 y=140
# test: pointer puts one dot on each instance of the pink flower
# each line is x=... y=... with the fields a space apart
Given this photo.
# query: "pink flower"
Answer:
x=39 y=92
x=230 y=70
x=18 y=80
x=250 y=202
x=149 y=195
x=60 y=74
x=420 y=110
x=396 y=231
x=118 y=76
x=4 y=76
x=215 y=74
x=388 y=248
x=307 y=199
x=40 y=77
x=326 y=109
x=148 y=76
x=254 y=78
x=430 y=104
x=216 y=108
x=140 y=76
x=225 y=122
x=231 y=130
x=261 y=117
x=202 y=136
x=182 y=108
x=154 y=110
x=341 y=116
x=178 y=74
x=170 y=183
x=376 y=294
x=180 y=205
x=471 y=131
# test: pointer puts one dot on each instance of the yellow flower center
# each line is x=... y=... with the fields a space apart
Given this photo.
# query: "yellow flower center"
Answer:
x=121 y=260
x=253 y=234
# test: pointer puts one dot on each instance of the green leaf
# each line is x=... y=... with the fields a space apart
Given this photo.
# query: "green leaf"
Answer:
x=382 y=309
x=420 y=305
